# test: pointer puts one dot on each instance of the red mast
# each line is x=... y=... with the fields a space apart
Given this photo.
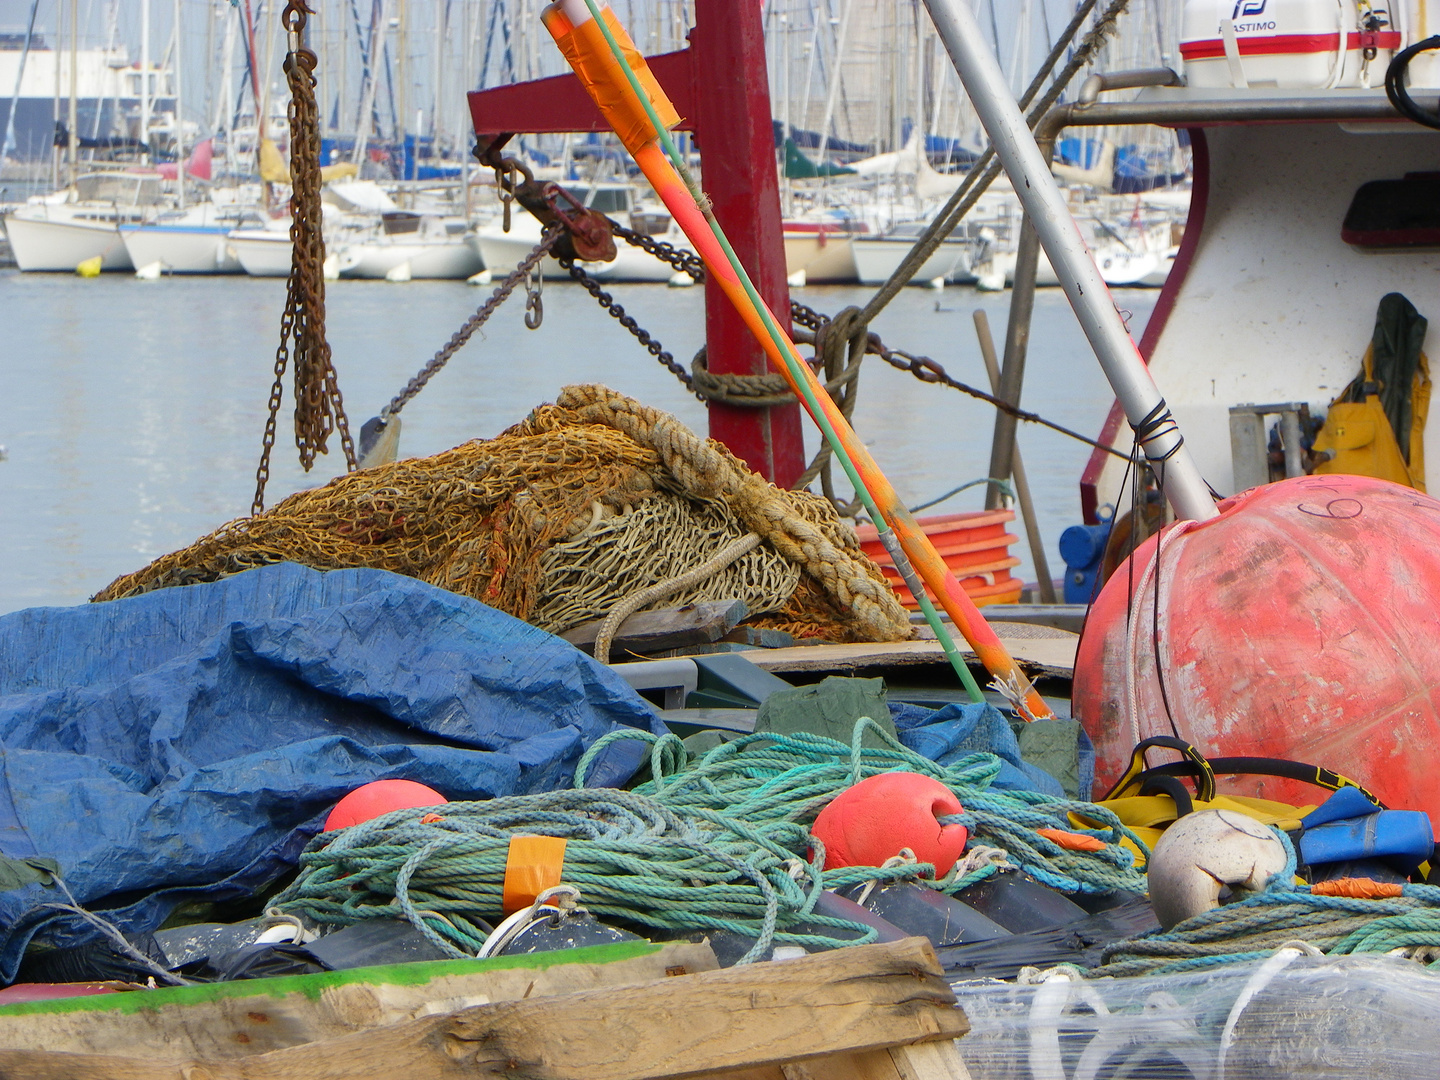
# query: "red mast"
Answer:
x=720 y=85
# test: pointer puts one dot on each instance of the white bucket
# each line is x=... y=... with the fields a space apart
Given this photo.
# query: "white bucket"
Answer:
x=1289 y=44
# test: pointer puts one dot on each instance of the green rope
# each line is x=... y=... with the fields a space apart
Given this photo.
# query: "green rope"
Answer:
x=719 y=843
x=1254 y=927
x=632 y=858
x=769 y=778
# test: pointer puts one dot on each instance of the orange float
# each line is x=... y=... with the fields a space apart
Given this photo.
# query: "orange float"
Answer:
x=1302 y=623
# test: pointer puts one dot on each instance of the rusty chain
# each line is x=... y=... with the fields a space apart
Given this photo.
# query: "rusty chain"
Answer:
x=460 y=337
x=922 y=367
x=319 y=409
x=615 y=310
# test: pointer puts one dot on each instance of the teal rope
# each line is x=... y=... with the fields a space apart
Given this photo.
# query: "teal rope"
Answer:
x=771 y=778
x=632 y=858
x=719 y=843
x=1252 y=928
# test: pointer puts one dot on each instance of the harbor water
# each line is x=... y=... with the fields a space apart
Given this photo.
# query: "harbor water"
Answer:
x=131 y=412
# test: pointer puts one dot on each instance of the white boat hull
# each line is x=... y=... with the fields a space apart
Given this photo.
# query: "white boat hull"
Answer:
x=502 y=252
x=261 y=253
x=182 y=249
x=876 y=258
x=41 y=244
x=449 y=260
x=826 y=258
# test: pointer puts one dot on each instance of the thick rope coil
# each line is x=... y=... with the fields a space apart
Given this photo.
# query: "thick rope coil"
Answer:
x=787 y=779
x=1254 y=927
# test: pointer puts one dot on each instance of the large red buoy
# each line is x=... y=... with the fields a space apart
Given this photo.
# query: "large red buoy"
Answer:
x=1302 y=623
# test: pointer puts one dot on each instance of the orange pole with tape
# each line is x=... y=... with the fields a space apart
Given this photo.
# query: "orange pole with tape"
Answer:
x=591 y=44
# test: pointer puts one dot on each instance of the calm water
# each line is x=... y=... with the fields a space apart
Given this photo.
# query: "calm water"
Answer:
x=131 y=412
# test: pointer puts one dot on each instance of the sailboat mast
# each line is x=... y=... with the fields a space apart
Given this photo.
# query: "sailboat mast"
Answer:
x=178 y=85
x=145 y=75
x=73 y=138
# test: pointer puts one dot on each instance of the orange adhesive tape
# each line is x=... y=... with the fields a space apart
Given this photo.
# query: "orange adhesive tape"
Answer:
x=533 y=864
x=589 y=55
x=1357 y=888
x=1072 y=841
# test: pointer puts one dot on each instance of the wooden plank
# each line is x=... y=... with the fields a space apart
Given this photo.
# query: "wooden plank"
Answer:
x=761 y=636
x=871 y=997
x=1050 y=656
x=669 y=628
x=245 y=1019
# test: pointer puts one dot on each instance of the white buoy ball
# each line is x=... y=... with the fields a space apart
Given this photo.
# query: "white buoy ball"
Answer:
x=1203 y=855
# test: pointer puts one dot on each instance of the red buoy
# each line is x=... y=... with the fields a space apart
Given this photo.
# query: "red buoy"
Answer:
x=380 y=797
x=1302 y=623
x=870 y=822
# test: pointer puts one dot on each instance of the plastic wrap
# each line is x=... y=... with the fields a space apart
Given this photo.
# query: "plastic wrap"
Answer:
x=1289 y=1017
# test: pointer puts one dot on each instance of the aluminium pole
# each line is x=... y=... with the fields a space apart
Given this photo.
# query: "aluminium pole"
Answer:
x=1144 y=406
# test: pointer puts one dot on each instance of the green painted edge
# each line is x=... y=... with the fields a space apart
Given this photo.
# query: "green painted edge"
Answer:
x=312 y=986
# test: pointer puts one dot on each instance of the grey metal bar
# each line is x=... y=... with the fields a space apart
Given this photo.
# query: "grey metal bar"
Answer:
x=1193 y=112
x=1022 y=480
x=1017 y=343
x=1029 y=173
x=1097 y=84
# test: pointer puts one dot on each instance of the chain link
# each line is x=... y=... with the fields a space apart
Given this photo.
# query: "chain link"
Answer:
x=319 y=408
x=461 y=336
x=617 y=312
x=922 y=367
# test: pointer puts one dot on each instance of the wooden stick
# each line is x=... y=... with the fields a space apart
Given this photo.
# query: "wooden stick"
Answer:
x=1017 y=466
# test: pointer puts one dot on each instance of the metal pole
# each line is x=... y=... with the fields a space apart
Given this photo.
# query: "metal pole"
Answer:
x=1022 y=481
x=177 y=84
x=1136 y=391
x=1017 y=342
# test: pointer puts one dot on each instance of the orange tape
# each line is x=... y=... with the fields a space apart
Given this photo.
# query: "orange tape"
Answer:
x=1072 y=841
x=1357 y=888
x=589 y=55
x=533 y=864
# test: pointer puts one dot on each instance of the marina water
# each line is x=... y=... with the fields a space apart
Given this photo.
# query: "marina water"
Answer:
x=132 y=411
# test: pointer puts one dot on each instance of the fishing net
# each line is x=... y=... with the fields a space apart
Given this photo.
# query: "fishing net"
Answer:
x=556 y=520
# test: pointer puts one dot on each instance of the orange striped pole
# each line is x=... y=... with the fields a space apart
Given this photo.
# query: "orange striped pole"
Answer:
x=591 y=45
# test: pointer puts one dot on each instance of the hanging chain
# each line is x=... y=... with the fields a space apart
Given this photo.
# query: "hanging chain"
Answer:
x=652 y=346
x=461 y=336
x=319 y=409
x=534 y=288
x=922 y=367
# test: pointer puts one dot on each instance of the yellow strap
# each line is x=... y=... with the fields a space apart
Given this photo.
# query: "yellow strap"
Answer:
x=532 y=865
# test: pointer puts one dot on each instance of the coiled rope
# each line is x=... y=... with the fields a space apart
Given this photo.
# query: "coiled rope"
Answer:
x=721 y=843
x=1254 y=927
x=773 y=779
x=632 y=858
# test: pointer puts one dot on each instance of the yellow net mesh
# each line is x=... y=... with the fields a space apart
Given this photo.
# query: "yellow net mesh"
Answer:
x=555 y=520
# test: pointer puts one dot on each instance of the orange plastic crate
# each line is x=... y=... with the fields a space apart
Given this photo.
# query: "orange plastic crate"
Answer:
x=976 y=548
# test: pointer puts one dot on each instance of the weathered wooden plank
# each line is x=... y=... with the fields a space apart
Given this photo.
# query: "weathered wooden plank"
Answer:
x=852 y=1000
x=761 y=636
x=246 y=1019
x=671 y=628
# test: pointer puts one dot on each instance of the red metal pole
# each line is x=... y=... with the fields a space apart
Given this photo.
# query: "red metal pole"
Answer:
x=737 y=147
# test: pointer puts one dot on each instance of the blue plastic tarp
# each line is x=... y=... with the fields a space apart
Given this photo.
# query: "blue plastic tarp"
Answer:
x=184 y=745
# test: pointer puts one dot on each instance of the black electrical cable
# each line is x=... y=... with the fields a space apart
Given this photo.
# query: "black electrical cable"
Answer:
x=1395 y=84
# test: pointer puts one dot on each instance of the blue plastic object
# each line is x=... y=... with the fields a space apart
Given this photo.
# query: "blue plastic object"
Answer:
x=1345 y=803
x=184 y=745
x=1083 y=548
x=1401 y=837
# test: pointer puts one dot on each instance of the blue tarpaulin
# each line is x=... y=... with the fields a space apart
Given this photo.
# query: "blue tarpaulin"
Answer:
x=185 y=744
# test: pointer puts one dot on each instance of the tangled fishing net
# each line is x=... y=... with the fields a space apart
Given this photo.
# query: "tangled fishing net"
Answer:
x=556 y=520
